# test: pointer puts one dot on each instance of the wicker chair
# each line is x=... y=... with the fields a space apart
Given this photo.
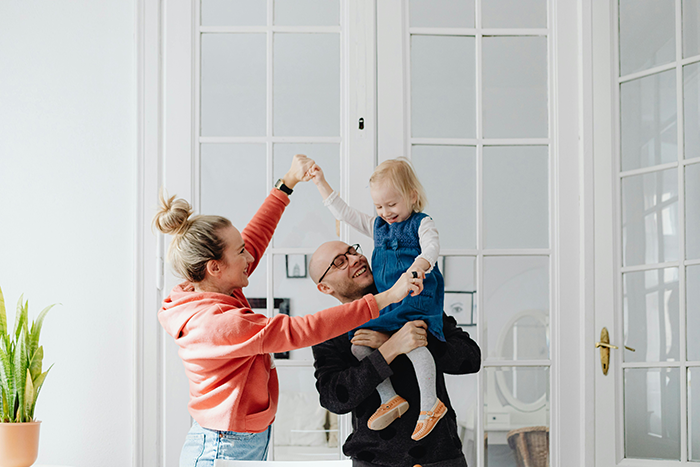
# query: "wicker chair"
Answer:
x=531 y=446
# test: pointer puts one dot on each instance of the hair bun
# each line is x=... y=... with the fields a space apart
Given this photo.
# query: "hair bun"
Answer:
x=173 y=215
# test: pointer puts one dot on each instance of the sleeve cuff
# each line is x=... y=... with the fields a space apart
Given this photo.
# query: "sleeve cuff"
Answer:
x=373 y=307
x=379 y=364
x=280 y=195
x=328 y=201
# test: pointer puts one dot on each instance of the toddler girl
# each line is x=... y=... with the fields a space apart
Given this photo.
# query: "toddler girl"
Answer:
x=404 y=239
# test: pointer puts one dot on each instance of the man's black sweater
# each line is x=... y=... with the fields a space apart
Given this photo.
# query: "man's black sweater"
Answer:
x=346 y=384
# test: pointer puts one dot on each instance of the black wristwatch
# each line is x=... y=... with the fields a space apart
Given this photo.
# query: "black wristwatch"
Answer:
x=282 y=187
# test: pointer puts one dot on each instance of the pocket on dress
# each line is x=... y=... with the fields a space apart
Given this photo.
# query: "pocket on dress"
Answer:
x=192 y=450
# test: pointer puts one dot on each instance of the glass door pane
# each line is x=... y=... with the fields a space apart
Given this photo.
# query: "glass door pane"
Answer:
x=303 y=430
x=443 y=87
x=453 y=210
x=516 y=307
x=651 y=315
x=441 y=13
x=233 y=85
x=652 y=413
x=307 y=98
x=517 y=416
x=514 y=13
x=515 y=87
x=640 y=50
x=516 y=197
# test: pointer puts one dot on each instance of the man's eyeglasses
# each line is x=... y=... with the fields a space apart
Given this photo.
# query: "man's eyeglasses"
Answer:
x=341 y=261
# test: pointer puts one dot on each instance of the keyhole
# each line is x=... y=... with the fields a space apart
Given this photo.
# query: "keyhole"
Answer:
x=362 y=123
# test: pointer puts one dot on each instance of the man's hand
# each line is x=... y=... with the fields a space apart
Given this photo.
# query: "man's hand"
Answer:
x=369 y=338
x=411 y=336
x=298 y=170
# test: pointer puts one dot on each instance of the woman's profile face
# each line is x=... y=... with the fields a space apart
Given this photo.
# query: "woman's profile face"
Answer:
x=234 y=266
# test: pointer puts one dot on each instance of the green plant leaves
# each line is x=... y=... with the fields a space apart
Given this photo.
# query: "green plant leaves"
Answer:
x=3 y=316
x=21 y=360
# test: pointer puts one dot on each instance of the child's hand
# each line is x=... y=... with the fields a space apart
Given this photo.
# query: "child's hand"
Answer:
x=315 y=173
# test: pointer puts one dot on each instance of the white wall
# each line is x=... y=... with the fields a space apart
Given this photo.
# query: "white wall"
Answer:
x=67 y=184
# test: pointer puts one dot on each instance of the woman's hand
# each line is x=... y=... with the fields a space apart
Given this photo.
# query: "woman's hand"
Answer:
x=298 y=171
x=411 y=336
x=405 y=285
x=369 y=338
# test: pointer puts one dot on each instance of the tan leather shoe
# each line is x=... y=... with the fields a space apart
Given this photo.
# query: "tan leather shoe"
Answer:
x=387 y=413
x=425 y=426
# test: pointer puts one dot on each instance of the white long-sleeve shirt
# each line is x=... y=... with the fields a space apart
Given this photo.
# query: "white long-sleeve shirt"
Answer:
x=428 y=236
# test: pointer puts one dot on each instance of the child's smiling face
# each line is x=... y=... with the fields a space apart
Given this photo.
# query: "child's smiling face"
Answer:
x=389 y=203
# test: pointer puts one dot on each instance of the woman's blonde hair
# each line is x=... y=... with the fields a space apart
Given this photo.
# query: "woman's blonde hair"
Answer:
x=196 y=238
x=399 y=172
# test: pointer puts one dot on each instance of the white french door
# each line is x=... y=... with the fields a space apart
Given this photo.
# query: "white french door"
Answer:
x=647 y=236
x=482 y=96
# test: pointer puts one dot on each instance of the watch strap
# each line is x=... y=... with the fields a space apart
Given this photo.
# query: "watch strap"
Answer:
x=282 y=187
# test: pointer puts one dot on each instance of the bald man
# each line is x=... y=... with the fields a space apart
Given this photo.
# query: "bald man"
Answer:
x=348 y=385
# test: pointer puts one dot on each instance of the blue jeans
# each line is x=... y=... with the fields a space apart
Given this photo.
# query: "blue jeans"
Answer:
x=202 y=446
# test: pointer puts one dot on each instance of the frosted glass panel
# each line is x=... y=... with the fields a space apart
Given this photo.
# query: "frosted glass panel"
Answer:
x=516 y=197
x=303 y=430
x=648 y=121
x=692 y=211
x=647 y=34
x=651 y=315
x=464 y=390
x=451 y=193
x=515 y=87
x=306 y=222
x=234 y=12
x=514 y=13
x=650 y=218
x=691 y=103
x=691 y=28
x=441 y=14
x=516 y=307
x=694 y=415
x=459 y=273
x=443 y=87
x=307 y=98
x=233 y=181
x=307 y=13
x=652 y=413
x=233 y=85
x=303 y=297
x=692 y=290
x=516 y=398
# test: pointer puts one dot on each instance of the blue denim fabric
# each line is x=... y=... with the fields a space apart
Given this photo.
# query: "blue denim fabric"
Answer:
x=203 y=446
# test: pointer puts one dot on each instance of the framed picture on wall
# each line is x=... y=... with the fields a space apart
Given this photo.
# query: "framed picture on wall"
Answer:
x=296 y=266
x=460 y=305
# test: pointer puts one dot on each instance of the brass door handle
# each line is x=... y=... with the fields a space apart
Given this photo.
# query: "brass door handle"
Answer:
x=610 y=346
x=604 y=345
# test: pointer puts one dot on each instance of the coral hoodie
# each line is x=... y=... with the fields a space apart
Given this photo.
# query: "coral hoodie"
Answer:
x=225 y=347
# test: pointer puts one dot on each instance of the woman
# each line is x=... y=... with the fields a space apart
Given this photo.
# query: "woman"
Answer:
x=224 y=346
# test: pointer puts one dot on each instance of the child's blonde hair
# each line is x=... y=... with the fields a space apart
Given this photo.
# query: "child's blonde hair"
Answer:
x=399 y=172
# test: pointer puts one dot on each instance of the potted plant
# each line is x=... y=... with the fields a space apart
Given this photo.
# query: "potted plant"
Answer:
x=21 y=379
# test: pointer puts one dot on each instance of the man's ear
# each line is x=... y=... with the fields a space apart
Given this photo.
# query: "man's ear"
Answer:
x=325 y=288
x=213 y=268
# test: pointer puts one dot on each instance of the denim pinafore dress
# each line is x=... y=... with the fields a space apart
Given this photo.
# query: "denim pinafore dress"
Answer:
x=396 y=246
